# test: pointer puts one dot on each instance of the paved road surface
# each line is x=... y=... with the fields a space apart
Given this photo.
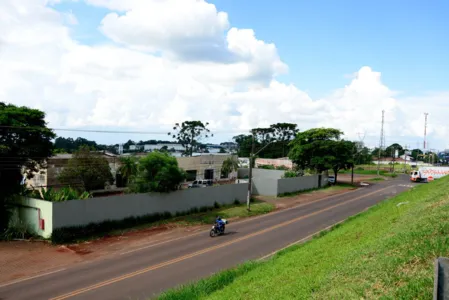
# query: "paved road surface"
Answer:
x=146 y=272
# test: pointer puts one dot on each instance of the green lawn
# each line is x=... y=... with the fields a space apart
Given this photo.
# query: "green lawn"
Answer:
x=327 y=189
x=238 y=211
x=386 y=252
x=369 y=172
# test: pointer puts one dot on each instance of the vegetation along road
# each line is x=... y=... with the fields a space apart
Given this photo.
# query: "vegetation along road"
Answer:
x=149 y=271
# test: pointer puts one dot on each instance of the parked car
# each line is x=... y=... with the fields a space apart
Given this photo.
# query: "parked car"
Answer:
x=202 y=183
x=331 y=179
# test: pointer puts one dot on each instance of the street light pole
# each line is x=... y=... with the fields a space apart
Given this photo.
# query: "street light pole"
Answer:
x=250 y=175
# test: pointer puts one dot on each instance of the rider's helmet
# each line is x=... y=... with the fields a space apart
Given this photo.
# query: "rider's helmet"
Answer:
x=218 y=218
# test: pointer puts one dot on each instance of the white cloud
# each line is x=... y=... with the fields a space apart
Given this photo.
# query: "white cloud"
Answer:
x=156 y=80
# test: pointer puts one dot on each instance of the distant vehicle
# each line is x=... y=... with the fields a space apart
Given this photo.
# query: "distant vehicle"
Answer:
x=331 y=179
x=202 y=183
x=426 y=174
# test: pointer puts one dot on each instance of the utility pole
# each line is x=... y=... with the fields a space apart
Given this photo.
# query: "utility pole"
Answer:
x=356 y=153
x=250 y=181
x=405 y=157
x=425 y=131
x=251 y=157
x=381 y=143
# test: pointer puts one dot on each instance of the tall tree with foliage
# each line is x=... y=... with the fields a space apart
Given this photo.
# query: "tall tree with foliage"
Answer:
x=189 y=133
x=128 y=168
x=25 y=143
x=229 y=165
x=322 y=149
x=157 y=172
x=284 y=133
x=244 y=144
x=417 y=154
x=390 y=150
x=86 y=170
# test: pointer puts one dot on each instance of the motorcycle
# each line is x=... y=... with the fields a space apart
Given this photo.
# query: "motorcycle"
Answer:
x=216 y=230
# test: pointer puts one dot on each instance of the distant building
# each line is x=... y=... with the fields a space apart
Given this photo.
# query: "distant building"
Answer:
x=175 y=147
x=48 y=177
x=204 y=166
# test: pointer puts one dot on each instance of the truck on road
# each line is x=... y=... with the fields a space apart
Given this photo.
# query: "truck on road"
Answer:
x=426 y=174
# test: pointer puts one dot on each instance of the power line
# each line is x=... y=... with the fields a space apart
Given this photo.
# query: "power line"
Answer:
x=107 y=131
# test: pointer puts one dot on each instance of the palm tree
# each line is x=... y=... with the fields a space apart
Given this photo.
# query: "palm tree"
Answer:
x=230 y=164
x=128 y=169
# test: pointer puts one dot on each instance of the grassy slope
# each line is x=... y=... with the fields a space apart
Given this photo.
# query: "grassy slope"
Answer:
x=386 y=252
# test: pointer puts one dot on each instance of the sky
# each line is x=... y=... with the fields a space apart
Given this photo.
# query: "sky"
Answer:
x=143 y=65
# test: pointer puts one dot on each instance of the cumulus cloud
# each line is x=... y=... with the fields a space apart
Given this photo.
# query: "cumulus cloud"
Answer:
x=160 y=70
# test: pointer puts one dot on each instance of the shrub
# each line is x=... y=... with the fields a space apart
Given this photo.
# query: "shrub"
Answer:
x=290 y=174
x=267 y=167
x=17 y=229
x=282 y=168
x=64 y=194
x=217 y=205
x=236 y=202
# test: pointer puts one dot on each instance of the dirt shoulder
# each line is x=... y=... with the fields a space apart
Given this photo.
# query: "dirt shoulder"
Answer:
x=21 y=259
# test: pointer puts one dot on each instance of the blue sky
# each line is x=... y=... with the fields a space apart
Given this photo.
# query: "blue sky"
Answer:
x=322 y=41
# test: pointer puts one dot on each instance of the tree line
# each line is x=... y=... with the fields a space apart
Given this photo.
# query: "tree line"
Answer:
x=26 y=143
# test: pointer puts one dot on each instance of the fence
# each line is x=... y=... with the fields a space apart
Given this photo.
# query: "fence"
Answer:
x=275 y=187
x=43 y=216
x=271 y=183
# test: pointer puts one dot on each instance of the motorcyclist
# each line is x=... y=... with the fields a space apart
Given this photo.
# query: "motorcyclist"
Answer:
x=219 y=222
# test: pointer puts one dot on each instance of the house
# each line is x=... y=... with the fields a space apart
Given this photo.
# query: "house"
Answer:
x=48 y=177
x=204 y=166
x=176 y=147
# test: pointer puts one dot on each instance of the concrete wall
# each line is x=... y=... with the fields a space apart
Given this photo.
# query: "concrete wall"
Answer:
x=265 y=186
x=277 y=162
x=273 y=187
x=260 y=173
x=291 y=185
x=83 y=212
x=30 y=211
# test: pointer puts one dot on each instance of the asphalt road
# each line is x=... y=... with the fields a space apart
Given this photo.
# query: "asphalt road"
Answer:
x=144 y=273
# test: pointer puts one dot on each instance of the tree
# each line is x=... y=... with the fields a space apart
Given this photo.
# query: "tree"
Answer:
x=343 y=153
x=244 y=144
x=416 y=154
x=157 y=172
x=189 y=133
x=390 y=150
x=25 y=144
x=128 y=168
x=284 y=133
x=230 y=164
x=222 y=150
x=86 y=170
x=322 y=149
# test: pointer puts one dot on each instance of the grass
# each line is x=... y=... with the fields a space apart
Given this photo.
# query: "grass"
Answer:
x=386 y=252
x=376 y=179
x=370 y=172
x=327 y=189
x=239 y=211
x=196 y=216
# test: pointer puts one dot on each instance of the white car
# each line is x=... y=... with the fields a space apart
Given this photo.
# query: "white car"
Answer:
x=331 y=179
